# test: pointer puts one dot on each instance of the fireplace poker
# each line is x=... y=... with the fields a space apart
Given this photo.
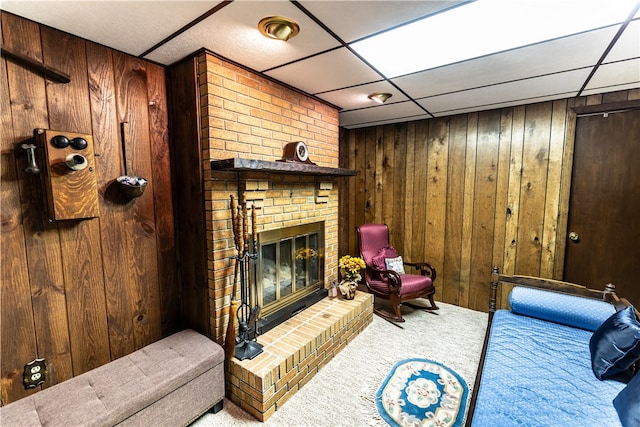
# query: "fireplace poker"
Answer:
x=230 y=338
x=245 y=227
x=255 y=310
x=239 y=256
x=245 y=304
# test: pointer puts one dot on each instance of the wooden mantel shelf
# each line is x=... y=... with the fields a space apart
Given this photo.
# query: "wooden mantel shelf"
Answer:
x=249 y=165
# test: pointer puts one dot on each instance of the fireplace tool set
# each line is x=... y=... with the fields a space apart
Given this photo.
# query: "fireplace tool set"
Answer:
x=244 y=346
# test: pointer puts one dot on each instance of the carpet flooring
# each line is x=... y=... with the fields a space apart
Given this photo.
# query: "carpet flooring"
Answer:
x=343 y=392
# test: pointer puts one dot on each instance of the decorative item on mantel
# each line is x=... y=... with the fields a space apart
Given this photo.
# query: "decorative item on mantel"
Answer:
x=296 y=152
x=350 y=268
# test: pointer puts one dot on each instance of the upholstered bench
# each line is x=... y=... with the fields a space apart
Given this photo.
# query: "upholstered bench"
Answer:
x=170 y=382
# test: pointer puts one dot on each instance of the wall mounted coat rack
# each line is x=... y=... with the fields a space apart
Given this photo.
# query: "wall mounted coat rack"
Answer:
x=70 y=177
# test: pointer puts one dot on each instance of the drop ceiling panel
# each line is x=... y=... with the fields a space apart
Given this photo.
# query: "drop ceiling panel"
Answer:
x=544 y=58
x=131 y=26
x=610 y=88
x=628 y=45
x=357 y=96
x=380 y=113
x=616 y=74
x=562 y=84
x=233 y=33
x=385 y=122
x=335 y=69
x=502 y=105
x=352 y=20
x=482 y=28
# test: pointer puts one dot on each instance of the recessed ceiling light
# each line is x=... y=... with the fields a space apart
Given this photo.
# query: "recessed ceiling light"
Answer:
x=380 y=97
x=482 y=28
x=278 y=27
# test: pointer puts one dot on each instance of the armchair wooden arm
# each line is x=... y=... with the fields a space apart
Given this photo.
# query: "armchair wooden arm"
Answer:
x=391 y=277
x=425 y=268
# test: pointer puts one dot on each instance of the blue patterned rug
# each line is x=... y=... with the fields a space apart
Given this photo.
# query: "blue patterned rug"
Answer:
x=421 y=392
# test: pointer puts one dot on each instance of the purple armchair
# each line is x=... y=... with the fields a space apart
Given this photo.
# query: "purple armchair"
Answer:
x=385 y=276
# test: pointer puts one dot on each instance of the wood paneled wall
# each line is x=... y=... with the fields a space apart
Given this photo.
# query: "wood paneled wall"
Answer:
x=468 y=192
x=80 y=293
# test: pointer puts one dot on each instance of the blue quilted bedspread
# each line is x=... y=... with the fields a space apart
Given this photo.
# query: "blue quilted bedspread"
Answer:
x=538 y=373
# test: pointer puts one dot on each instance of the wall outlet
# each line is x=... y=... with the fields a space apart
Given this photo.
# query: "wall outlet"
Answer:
x=35 y=373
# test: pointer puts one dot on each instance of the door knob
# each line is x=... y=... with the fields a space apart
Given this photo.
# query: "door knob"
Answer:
x=573 y=236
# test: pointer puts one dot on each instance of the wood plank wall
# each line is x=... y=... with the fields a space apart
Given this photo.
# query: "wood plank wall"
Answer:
x=468 y=192
x=83 y=292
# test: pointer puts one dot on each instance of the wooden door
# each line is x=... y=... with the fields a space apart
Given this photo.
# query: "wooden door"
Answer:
x=603 y=235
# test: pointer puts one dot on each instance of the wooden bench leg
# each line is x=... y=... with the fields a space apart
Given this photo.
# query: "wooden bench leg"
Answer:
x=217 y=407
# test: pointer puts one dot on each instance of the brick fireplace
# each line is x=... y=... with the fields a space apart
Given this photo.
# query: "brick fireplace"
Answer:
x=244 y=115
x=247 y=118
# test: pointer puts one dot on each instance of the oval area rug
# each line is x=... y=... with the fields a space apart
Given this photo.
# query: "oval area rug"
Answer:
x=421 y=392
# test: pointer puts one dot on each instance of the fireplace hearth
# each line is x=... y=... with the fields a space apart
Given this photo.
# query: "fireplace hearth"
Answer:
x=295 y=351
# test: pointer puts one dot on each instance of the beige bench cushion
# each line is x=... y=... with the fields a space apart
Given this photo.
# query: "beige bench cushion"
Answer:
x=110 y=393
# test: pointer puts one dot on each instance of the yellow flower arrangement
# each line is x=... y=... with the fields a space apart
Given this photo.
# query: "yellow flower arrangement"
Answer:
x=351 y=267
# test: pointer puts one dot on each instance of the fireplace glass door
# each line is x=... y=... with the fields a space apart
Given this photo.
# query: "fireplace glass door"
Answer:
x=290 y=265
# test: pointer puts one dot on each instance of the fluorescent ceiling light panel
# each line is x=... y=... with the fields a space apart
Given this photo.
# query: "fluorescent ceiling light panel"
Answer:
x=484 y=27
